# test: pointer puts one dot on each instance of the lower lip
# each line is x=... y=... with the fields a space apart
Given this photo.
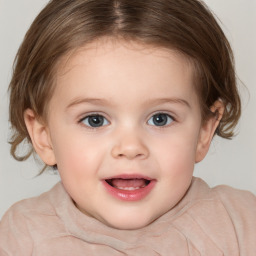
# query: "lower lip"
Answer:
x=129 y=195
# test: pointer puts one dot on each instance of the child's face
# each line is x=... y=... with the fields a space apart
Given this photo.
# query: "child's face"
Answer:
x=124 y=127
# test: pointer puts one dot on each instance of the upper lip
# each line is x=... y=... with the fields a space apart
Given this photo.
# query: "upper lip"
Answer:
x=129 y=177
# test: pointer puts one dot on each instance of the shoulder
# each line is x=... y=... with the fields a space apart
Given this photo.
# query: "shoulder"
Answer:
x=236 y=199
x=242 y=201
x=40 y=205
x=233 y=209
x=241 y=207
x=23 y=222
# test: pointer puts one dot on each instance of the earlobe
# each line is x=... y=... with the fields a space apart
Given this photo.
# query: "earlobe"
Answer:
x=208 y=129
x=40 y=137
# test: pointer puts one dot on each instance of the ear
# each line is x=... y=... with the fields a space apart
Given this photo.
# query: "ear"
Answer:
x=208 y=129
x=40 y=137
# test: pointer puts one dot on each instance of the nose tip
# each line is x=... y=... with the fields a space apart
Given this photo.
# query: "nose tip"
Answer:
x=130 y=148
x=128 y=155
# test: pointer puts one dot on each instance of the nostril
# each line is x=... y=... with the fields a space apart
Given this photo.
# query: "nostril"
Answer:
x=130 y=149
x=131 y=156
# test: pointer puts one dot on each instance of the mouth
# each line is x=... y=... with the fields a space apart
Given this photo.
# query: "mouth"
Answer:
x=128 y=184
x=129 y=188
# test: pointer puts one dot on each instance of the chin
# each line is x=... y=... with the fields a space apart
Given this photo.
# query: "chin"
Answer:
x=129 y=223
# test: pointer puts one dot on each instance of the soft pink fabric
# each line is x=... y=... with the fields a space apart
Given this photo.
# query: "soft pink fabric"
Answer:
x=209 y=222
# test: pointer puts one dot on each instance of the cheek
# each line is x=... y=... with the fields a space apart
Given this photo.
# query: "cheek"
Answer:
x=177 y=152
x=77 y=157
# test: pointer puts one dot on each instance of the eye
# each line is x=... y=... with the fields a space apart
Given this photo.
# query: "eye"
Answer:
x=95 y=121
x=160 y=119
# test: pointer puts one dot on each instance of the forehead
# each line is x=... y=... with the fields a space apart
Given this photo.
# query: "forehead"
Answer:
x=106 y=67
x=111 y=47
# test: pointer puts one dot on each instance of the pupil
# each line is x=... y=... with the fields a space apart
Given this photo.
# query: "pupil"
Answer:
x=160 y=119
x=95 y=121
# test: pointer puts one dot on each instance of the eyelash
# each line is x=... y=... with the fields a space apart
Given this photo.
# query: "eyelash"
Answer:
x=168 y=119
x=95 y=115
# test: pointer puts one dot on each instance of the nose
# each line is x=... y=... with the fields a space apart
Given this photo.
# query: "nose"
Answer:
x=129 y=146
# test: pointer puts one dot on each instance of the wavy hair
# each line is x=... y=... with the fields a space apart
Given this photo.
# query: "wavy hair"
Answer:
x=187 y=26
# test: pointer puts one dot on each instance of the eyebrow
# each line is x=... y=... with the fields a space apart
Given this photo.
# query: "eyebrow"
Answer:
x=94 y=101
x=168 y=100
x=104 y=102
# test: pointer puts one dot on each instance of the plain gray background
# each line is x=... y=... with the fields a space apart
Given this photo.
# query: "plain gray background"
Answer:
x=228 y=162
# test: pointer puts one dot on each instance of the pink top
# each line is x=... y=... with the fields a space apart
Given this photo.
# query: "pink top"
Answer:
x=209 y=222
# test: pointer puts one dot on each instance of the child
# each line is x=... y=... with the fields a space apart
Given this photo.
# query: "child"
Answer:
x=123 y=97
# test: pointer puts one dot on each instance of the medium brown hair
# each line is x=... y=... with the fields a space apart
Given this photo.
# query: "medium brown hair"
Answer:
x=63 y=26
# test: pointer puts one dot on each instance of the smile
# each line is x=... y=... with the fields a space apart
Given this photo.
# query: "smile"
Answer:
x=129 y=188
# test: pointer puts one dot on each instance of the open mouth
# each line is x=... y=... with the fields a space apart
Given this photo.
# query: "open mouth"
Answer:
x=129 y=187
x=128 y=184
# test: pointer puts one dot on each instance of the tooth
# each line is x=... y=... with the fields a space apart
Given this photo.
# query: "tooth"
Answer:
x=129 y=188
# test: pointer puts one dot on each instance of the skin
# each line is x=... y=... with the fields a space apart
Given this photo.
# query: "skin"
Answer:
x=127 y=84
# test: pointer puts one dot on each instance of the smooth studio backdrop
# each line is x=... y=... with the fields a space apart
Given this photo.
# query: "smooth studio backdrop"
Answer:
x=228 y=162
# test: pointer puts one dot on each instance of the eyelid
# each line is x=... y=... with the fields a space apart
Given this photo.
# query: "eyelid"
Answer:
x=172 y=115
x=164 y=113
x=84 y=115
x=87 y=115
